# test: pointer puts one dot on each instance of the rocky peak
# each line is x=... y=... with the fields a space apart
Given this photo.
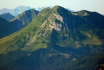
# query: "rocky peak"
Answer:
x=55 y=19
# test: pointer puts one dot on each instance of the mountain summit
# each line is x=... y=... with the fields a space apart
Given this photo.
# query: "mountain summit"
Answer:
x=53 y=39
x=17 y=23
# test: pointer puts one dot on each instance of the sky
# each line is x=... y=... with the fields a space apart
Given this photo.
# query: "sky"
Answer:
x=90 y=5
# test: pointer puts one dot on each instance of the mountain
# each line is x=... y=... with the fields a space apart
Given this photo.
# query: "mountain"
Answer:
x=17 y=23
x=15 y=11
x=53 y=39
x=7 y=16
x=24 y=18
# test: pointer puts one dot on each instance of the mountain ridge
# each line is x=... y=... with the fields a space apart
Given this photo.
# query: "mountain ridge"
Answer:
x=55 y=37
x=18 y=22
x=7 y=16
x=44 y=23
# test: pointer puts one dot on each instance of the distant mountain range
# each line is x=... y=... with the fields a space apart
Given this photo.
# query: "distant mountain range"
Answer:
x=17 y=23
x=18 y=10
x=15 y=11
x=56 y=39
x=7 y=16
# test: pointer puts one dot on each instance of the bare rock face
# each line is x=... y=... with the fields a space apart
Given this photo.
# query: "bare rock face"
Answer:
x=56 y=23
